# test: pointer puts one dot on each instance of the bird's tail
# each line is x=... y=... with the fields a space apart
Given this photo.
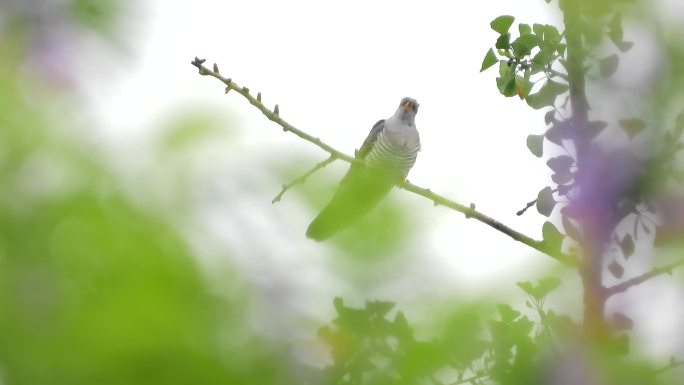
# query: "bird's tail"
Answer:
x=355 y=197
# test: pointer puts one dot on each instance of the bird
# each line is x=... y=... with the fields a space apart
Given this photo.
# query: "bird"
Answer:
x=385 y=158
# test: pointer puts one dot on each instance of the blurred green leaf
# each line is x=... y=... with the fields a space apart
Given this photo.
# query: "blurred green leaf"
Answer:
x=608 y=65
x=503 y=42
x=507 y=313
x=545 y=201
x=523 y=45
x=552 y=237
x=535 y=143
x=547 y=95
x=524 y=29
x=632 y=126
x=502 y=24
x=489 y=60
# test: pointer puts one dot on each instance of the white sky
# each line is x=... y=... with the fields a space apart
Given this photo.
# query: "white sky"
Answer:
x=335 y=68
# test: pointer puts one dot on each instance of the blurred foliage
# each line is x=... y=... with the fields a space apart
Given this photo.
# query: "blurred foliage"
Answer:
x=94 y=289
x=374 y=345
x=611 y=190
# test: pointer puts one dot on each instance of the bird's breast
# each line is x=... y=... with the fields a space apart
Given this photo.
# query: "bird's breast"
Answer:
x=407 y=140
x=393 y=153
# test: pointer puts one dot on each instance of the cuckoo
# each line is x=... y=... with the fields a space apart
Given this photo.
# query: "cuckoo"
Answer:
x=386 y=156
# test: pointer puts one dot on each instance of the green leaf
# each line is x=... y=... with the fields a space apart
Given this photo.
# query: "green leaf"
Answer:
x=547 y=95
x=560 y=164
x=616 y=269
x=506 y=83
x=632 y=126
x=542 y=59
x=625 y=46
x=538 y=30
x=545 y=201
x=547 y=285
x=502 y=24
x=523 y=45
x=541 y=289
x=550 y=116
x=527 y=287
x=595 y=127
x=536 y=145
x=560 y=48
x=551 y=35
x=615 y=32
x=620 y=345
x=627 y=246
x=489 y=60
x=523 y=86
x=503 y=42
x=379 y=308
x=524 y=29
x=552 y=237
x=608 y=65
x=507 y=313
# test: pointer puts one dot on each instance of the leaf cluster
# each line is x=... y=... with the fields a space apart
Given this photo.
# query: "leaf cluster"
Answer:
x=532 y=52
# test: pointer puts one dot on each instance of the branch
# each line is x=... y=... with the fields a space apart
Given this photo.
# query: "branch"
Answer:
x=303 y=177
x=469 y=212
x=622 y=287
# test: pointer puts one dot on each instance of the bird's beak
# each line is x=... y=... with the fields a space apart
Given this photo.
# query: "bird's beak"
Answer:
x=408 y=105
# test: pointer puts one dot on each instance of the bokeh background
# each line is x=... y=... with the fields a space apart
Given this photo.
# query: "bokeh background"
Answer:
x=138 y=240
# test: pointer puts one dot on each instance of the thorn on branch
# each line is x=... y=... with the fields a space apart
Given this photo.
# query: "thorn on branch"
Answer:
x=245 y=90
x=227 y=89
x=216 y=68
x=276 y=111
x=471 y=209
x=198 y=62
x=259 y=97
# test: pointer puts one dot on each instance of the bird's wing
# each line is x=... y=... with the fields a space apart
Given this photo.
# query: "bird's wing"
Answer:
x=358 y=192
x=365 y=148
x=370 y=140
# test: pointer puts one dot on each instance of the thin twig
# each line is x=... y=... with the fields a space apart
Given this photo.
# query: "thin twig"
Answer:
x=524 y=64
x=532 y=203
x=673 y=364
x=527 y=206
x=553 y=72
x=471 y=379
x=301 y=179
x=621 y=287
x=469 y=212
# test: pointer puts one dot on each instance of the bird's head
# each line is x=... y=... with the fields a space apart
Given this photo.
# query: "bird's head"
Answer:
x=407 y=109
x=409 y=104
